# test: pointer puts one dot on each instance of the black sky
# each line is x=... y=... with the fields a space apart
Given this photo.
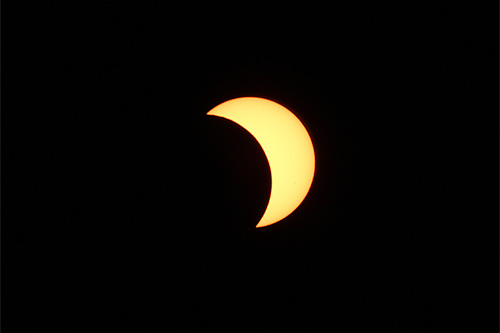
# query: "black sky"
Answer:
x=124 y=204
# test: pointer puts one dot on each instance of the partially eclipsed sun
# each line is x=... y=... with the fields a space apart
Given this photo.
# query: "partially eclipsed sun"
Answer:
x=287 y=146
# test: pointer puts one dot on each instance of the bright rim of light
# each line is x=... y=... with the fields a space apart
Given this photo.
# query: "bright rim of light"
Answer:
x=287 y=146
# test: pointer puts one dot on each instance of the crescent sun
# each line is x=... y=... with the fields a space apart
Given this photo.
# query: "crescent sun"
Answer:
x=287 y=146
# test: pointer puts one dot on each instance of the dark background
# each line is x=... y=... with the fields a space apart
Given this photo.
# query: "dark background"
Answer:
x=126 y=208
